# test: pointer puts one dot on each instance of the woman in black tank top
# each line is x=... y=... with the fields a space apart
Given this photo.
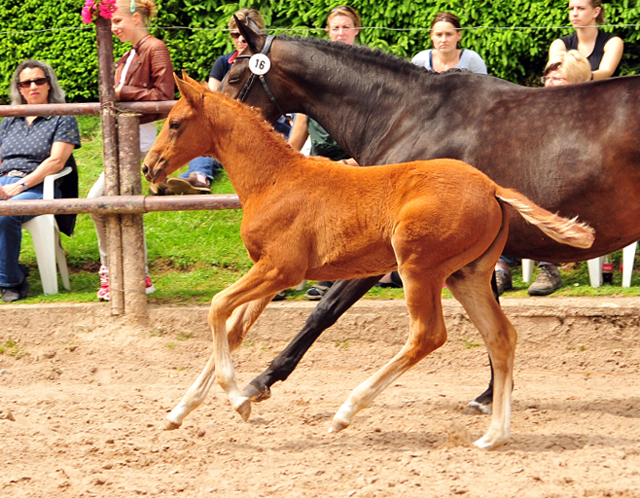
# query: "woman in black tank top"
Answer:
x=602 y=50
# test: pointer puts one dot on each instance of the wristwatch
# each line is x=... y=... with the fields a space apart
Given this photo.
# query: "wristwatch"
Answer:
x=24 y=184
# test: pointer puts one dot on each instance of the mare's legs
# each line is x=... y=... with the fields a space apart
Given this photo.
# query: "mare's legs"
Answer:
x=238 y=325
x=340 y=297
x=427 y=333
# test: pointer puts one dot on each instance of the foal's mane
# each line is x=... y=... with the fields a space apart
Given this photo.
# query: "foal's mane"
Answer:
x=250 y=115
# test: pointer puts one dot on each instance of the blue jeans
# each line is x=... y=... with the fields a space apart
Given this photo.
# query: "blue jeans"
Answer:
x=11 y=235
x=508 y=260
x=207 y=166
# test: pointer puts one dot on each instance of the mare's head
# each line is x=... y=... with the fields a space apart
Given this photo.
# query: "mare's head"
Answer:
x=239 y=80
x=188 y=131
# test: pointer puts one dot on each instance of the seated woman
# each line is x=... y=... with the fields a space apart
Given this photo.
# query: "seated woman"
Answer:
x=31 y=148
x=446 y=33
x=564 y=69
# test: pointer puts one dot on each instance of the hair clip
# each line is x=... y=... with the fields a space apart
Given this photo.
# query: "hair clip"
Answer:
x=133 y=6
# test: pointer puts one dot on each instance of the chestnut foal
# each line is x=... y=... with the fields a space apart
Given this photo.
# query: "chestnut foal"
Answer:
x=310 y=218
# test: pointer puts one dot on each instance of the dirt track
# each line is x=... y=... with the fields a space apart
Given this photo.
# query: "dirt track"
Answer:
x=90 y=392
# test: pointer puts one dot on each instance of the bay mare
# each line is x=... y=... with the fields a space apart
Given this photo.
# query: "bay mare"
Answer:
x=572 y=149
x=314 y=218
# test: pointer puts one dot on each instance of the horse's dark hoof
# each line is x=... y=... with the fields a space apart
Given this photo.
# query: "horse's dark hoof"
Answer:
x=255 y=394
x=475 y=408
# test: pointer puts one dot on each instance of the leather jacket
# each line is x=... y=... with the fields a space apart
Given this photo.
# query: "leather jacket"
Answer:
x=149 y=77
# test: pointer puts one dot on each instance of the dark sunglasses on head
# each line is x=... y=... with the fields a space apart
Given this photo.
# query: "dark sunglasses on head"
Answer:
x=37 y=81
x=342 y=7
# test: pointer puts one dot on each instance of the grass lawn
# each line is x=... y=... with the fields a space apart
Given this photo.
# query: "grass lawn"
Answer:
x=195 y=254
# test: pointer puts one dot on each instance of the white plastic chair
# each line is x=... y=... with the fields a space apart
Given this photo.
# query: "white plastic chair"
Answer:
x=46 y=241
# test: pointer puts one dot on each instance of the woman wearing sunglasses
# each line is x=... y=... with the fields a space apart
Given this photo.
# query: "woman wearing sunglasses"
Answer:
x=31 y=148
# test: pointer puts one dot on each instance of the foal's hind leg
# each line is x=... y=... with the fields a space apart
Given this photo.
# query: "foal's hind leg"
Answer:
x=238 y=325
x=427 y=333
x=471 y=287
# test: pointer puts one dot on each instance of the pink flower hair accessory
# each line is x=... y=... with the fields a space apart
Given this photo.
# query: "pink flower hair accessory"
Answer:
x=97 y=8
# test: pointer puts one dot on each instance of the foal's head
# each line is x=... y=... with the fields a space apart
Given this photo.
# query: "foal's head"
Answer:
x=195 y=126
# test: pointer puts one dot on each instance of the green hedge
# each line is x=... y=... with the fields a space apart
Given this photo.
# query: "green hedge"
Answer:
x=53 y=31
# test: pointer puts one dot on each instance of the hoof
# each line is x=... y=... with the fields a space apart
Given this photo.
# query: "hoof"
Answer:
x=256 y=395
x=168 y=425
x=244 y=409
x=337 y=426
x=486 y=444
x=475 y=408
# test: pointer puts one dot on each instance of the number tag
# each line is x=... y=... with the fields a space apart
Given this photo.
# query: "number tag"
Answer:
x=259 y=64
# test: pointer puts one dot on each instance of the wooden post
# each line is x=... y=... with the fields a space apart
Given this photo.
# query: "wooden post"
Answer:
x=133 y=258
x=110 y=159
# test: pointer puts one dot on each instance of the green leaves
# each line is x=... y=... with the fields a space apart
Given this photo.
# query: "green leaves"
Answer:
x=506 y=33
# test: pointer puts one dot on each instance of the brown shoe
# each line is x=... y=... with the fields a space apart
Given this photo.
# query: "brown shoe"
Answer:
x=548 y=281
x=159 y=189
x=189 y=186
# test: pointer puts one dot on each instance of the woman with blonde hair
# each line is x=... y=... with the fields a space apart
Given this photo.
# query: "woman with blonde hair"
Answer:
x=143 y=73
x=569 y=67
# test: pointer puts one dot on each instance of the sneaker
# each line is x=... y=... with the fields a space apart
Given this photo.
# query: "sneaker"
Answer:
x=192 y=185
x=318 y=290
x=548 y=281
x=503 y=281
x=148 y=284
x=103 y=291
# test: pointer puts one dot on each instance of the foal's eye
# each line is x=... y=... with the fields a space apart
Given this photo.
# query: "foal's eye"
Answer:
x=234 y=79
x=174 y=125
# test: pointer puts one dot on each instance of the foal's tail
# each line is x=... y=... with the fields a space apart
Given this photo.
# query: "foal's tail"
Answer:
x=558 y=228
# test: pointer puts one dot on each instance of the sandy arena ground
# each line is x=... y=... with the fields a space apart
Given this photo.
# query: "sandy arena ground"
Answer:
x=81 y=408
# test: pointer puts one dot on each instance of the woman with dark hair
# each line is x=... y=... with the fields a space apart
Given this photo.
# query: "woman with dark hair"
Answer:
x=31 y=148
x=445 y=36
x=602 y=50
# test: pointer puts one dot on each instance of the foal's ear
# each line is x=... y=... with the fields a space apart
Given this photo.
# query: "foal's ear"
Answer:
x=193 y=93
x=189 y=79
x=252 y=33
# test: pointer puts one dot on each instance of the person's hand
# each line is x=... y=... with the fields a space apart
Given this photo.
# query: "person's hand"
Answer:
x=10 y=190
x=351 y=161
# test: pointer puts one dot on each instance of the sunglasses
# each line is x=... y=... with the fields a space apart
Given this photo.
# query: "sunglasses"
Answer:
x=343 y=7
x=37 y=81
x=235 y=35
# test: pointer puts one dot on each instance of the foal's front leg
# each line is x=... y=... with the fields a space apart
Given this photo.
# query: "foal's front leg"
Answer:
x=255 y=290
x=238 y=326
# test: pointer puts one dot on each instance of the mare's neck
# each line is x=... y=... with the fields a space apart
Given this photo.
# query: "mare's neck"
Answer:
x=356 y=106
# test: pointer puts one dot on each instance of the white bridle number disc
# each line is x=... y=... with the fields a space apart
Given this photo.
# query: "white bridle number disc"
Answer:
x=259 y=64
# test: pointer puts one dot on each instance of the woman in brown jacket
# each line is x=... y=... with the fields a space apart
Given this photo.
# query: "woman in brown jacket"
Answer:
x=143 y=73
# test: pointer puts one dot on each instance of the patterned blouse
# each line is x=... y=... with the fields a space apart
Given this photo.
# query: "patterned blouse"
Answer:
x=24 y=148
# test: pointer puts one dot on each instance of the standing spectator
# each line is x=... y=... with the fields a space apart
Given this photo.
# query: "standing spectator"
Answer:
x=445 y=36
x=343 y=25
x=143 y=73
x=31 y=148
x=602 y=50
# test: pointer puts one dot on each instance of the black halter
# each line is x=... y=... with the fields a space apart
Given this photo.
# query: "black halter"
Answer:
x=252 y=78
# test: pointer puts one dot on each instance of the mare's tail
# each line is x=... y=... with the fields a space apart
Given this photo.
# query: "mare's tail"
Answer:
x=558 y=228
